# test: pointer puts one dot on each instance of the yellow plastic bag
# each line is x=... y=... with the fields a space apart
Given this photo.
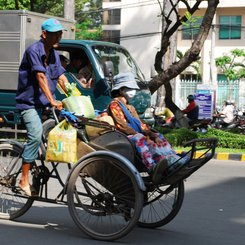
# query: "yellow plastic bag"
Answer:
x=80 y=105
x=72 y=90
x=62 y=143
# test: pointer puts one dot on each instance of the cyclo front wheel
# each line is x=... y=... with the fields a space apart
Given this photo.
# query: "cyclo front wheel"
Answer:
x=162 y=204
x=103 y=197
x=12 y=203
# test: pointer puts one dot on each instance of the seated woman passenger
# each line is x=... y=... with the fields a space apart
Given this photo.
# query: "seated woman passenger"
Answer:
x=154 y=150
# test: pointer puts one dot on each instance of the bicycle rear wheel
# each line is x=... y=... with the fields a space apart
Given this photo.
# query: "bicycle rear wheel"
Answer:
x=104 y=199
x=162 y=205
x=12 y=203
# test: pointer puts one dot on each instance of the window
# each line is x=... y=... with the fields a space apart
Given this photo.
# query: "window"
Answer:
x=121 y=59
x=111 y=36
x=230 y=27
x=112 y=17
x=191 y=28
x=221 y=77
x=190 y=77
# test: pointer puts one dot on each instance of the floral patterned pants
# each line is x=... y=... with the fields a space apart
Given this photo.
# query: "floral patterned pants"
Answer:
x=151 y=153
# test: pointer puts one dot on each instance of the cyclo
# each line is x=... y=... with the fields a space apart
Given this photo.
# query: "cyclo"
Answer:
x=107 y=191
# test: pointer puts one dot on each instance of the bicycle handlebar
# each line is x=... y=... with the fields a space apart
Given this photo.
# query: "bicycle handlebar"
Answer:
x=80 y=121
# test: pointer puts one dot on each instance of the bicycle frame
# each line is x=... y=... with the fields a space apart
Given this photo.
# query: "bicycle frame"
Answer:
x=42 y=174
x=38 y=169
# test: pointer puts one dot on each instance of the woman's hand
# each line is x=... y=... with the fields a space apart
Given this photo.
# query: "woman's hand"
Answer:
x=158 y=141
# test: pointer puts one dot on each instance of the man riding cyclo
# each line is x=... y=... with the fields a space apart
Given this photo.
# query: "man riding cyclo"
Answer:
x=39 y=72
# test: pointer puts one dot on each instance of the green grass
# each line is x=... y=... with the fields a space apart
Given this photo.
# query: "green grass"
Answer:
x=228 y=150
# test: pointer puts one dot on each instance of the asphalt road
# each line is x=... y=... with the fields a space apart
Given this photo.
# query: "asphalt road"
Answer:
x=213 y=212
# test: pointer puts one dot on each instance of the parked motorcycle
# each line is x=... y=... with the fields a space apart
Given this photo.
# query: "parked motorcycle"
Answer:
x=238 y=123
x=166 y=120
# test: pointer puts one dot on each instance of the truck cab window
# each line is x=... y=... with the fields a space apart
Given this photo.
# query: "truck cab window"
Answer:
x=120 y=58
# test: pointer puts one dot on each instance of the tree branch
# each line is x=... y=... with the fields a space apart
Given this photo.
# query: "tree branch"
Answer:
x=168 y=33
x=191 y=55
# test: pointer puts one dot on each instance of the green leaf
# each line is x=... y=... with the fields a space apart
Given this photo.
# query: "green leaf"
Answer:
x=232 y=64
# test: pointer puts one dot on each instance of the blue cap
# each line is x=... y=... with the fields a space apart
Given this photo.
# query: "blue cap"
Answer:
x=52 y=25
x=124 y=80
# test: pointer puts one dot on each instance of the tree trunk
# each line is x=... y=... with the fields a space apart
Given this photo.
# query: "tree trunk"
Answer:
x=16 y=4
x=32 y=4
x=69 y=9
x=165 y=75
x=169 y=57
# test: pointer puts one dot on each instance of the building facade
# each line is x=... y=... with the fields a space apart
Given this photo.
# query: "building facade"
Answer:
x=138 y=29
x=136 y=24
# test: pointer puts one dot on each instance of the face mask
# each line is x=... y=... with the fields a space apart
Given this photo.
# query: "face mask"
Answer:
x=129 y=93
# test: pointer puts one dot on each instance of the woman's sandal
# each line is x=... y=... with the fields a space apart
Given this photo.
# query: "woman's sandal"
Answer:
x=159 y=171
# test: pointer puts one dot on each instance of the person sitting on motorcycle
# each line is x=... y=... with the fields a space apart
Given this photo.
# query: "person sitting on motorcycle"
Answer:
x=227 y=114
x=155 y=151
x=192 y=110
x=166 y=114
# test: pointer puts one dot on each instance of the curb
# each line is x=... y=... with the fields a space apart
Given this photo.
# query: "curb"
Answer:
x=222 y=156
x=229 y=156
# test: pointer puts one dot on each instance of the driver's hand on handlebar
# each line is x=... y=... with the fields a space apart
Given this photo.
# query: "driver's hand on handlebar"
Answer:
x=57 y=104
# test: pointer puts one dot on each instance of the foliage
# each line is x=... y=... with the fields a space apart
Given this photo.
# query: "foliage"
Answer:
x=54 y=7
x=232 y=64
x=12 y=4
x=83 y=31
x=226 y=139
x=87 y=16
x=193 y=20
x=177 y=137
x=89 y=20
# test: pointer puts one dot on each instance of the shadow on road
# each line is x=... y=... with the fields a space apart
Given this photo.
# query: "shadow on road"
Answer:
x=213 y=212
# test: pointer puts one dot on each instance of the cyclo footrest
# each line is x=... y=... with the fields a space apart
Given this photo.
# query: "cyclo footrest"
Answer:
x=178 y=172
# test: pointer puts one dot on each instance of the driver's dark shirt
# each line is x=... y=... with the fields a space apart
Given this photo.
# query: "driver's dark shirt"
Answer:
x=29 y=94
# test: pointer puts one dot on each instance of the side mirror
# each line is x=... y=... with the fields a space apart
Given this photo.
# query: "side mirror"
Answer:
x=108 y=69
x=108 y=72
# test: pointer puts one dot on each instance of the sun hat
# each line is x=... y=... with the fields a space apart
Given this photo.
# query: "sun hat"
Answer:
x=124 y=80
x=52 y=25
